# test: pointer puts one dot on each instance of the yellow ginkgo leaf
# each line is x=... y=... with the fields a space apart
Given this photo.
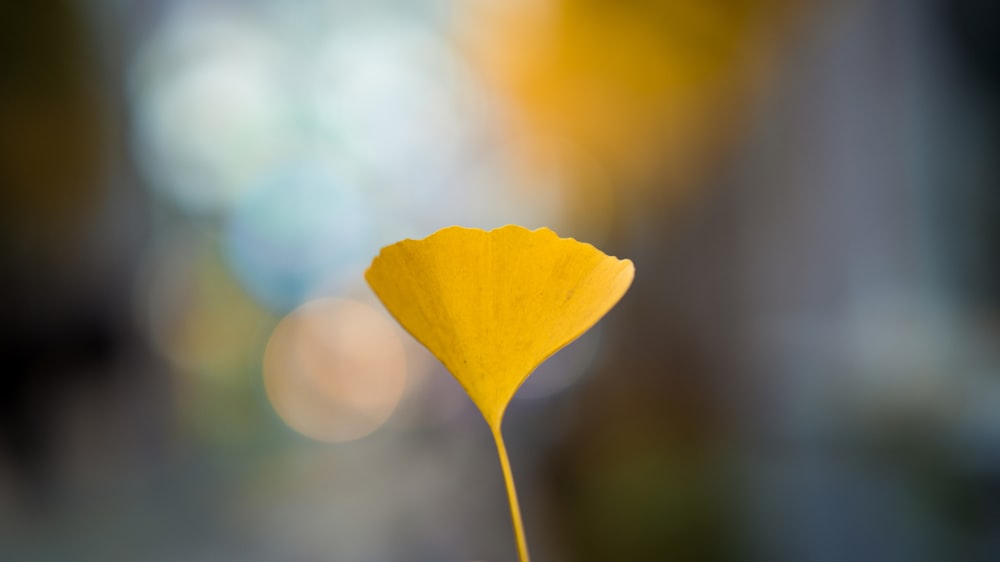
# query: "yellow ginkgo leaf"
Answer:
x=492 y=305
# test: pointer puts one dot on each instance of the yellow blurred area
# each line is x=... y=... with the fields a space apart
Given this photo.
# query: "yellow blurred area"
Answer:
x=335 y=370
x=617 y=95
x=195 y=313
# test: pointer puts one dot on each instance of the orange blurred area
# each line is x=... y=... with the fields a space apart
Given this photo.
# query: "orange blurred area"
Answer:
x=335 y=370
x=625 y=97
x=806 y=367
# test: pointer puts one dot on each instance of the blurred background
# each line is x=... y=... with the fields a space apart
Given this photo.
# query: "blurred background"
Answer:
x=806 y=368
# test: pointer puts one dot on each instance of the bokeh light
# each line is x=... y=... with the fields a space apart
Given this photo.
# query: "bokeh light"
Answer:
x=335 y=370
x=392 y=95
x=307 y=228
x=194 y=311
x=210 y=108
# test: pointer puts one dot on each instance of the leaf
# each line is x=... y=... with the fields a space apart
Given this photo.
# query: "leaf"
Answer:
x=493 y=305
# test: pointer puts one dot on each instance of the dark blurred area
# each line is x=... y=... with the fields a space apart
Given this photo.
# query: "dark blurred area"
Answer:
x=806 y=368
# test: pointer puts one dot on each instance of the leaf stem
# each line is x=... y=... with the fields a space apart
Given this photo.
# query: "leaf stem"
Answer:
x=515 y=510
